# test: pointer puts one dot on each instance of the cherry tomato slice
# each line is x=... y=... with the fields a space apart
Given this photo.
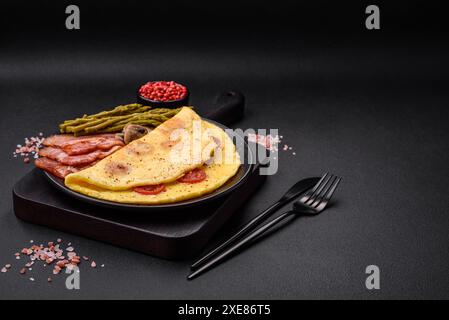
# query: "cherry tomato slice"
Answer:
x=194 y=176
x=150 y=190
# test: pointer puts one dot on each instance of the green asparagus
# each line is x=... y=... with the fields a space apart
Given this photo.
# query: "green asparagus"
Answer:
x=116 y=119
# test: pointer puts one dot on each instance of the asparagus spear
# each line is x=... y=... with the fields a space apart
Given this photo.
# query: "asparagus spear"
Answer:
x=116 y=119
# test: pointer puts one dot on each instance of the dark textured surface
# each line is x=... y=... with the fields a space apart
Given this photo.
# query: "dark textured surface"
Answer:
x=369 y=107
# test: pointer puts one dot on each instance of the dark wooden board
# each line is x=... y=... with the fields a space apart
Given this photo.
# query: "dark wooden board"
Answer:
x=171 y=235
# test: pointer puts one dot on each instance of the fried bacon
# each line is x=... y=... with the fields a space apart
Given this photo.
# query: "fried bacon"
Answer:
x=78 y=147
x=54 y=167
x=76 y=161
x=58 y=140
x=61 y=140
x=65 y=154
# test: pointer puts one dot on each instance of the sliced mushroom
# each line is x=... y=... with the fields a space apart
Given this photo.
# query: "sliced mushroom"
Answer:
x=133 y=132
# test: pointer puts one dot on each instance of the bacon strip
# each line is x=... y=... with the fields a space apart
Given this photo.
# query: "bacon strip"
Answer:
x=65 y=154
x=57 y=169
x=78 y=147
x=54 y=167
x=76 y=161
x=57 y=140
x=61 y=140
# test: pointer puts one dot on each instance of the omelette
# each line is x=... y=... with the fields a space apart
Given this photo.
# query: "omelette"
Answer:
x=163 y=156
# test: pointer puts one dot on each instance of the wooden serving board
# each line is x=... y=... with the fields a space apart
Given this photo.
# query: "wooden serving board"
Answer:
x=170 y=235
x=173 y=234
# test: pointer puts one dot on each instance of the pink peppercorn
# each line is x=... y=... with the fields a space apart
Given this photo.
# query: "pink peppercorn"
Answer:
x=163 y=91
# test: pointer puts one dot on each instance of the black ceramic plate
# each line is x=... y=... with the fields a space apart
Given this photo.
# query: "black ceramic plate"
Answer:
x=239 y=178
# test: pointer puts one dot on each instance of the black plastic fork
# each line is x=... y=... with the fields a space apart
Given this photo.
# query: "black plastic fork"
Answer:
x=311 y=203
x=295 y=191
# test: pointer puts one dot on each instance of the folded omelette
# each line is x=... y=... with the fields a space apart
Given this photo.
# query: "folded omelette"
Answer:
x=164 y=155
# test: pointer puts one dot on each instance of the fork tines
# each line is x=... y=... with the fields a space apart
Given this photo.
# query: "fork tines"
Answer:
x=322 y=192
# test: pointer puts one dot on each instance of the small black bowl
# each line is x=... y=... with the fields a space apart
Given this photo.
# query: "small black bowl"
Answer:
x=172 y=104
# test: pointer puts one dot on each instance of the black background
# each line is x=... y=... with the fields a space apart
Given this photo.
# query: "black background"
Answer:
x=370 y=106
